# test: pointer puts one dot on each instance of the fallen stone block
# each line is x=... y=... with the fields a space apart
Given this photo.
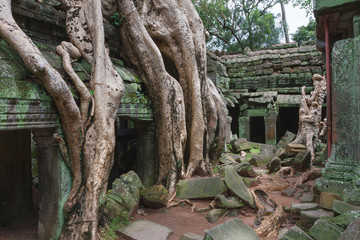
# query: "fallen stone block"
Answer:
x=296 y=208
x=238 y=187
x=208 y=187
x=326 y=200
x=308 y=218
x=302 y=160
x=231 y=230
x=294 y=149
x=215 y=214
x=341 y=207
x=307 y=198
x=229 y=203
x=345 y=219
x=190 y=236
x=154 y=197
x=141 y=230
x=352 y=232
x=324 y=229
x=274 y=165
x=295 y=233
x=286 y=139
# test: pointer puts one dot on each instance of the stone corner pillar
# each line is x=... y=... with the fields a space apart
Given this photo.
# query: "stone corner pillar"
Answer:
x=54 y=184
x=270 y=128
x=146 y=153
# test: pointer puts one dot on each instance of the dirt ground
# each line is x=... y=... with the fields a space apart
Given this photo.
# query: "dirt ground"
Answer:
x=179 y=219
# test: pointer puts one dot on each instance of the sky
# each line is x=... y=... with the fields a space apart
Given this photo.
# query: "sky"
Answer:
x=295 y=17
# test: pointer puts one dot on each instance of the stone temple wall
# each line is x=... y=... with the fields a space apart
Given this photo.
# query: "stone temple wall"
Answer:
x=263 y=87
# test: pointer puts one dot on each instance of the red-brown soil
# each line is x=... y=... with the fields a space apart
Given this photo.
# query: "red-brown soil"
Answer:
x=179 y=219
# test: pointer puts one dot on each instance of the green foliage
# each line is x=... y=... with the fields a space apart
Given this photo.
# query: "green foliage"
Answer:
x=234 y=25
x=229 y=147
x=117 y=19
x=109 y=233
x=133 y=94
x=304 y=4
x=305 y=33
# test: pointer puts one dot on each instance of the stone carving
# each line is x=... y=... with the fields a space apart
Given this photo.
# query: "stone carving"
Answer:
x=310 y=115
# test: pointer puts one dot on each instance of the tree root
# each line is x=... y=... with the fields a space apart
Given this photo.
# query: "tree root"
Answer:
x=270 y=226
x=312 y=174
x=285 y=171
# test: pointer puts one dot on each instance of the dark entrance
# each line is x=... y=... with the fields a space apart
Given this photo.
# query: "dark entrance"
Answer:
x=288 y=120
x=15 y=176
x=257 y=129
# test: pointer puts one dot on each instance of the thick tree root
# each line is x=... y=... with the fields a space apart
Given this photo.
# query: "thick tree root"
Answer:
x=270 y=226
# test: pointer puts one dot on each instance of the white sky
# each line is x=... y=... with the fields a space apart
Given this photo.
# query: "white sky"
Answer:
x=295 y=17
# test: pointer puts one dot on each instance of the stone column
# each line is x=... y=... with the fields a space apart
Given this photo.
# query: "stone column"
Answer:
x=244 y=127
x=146 y=153
x=54 y=184
x=270 y=128
x=342 y=170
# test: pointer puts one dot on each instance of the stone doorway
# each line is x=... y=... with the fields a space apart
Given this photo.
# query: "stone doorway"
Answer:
x=15 y=177
x=288 y=120
x=257 y=129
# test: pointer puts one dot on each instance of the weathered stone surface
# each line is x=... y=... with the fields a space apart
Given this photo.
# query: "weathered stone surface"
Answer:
x=345 y=219
x=245 y=169
x=281 y=153
x=141 y=230
x=230 y=202
x=238 y=187
x=324 y=229
x=251 y=182
x=154 y=197
x=124 y=197
x=232 y=213
x=254 y=160
x=352 y=232
x=226 y=159
x=242 y=144
x=294 y=233
x=302 y=160
x=308 y=218
x=290 y=191
x=267 y=153
x=341 y=207
x=274 y=165
x=294 y=149
x=208 y=187
x=307 y=198
x=296 y=208
x=286 y=139
x=233 y=229
x=287 y=162
x=326 y=200
x=190 y=236
x=215 y=214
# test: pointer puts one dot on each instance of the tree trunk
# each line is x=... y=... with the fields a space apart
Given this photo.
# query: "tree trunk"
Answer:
x=90 y=135
x=284 y=22
x=160 y=35
x=310 y=115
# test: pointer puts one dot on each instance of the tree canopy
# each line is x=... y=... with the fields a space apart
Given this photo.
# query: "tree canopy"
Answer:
x=234 y=25
x=305 y=33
